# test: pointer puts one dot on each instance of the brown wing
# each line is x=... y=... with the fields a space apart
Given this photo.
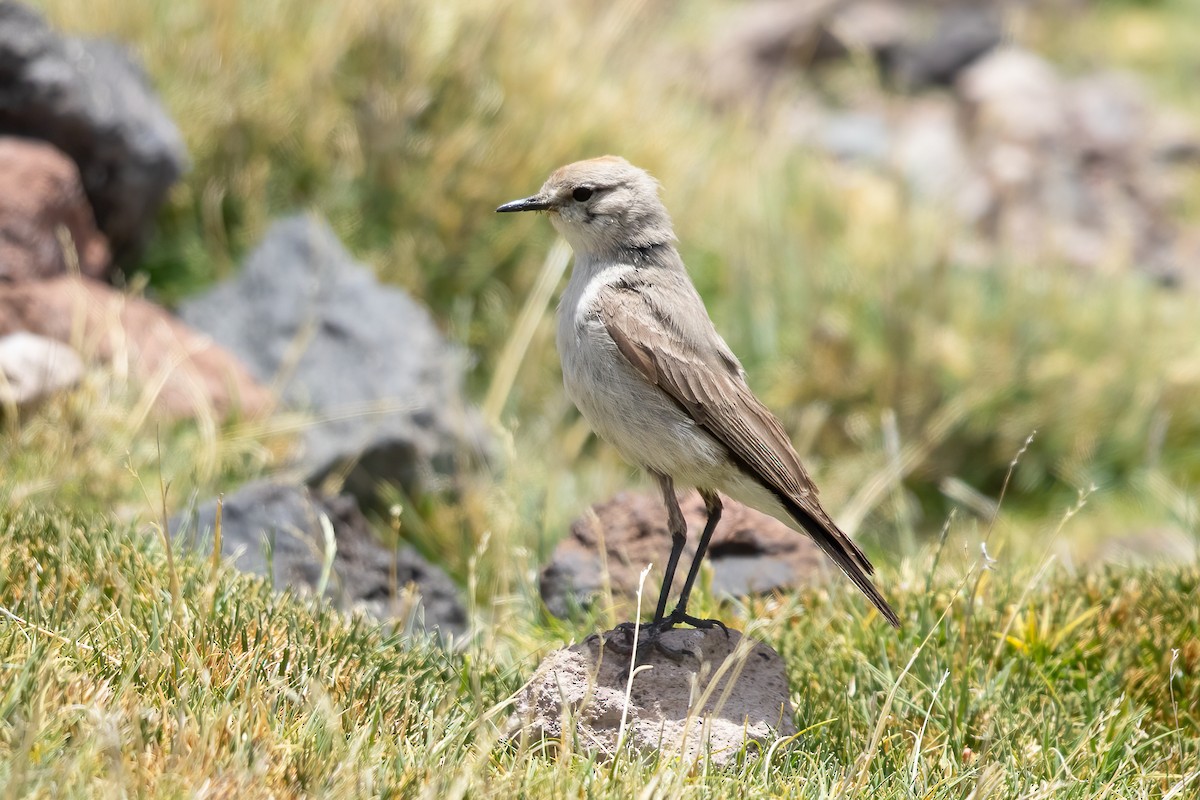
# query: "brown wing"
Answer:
x=700 y=374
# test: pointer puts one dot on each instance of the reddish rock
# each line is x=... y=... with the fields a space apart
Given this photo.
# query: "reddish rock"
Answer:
x=92 y=100
x=191 y=375
x=750 y=552
x=43 y=213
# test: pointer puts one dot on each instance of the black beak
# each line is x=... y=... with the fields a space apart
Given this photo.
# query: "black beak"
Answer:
x=535 y=203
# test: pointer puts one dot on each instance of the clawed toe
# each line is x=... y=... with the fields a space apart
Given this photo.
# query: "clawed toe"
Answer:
x=640 y=638
x=677 y=617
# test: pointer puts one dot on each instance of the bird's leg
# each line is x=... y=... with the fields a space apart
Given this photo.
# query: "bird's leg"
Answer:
x=648 y=635
x=712 y=502
x=677 y=525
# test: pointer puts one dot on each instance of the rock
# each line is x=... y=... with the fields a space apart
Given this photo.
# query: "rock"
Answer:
x=367 y=361
x=960 y=36
x=189 y=374
x=1108 y=114
x=92 y=101
x=33 y=368
x=915 y=45
x=750 y=552
x=675 y=707
x=1014 y=95
x=931 y=156
x=855 y=136
x=275 y=530
x=871 y=26
x=44 y=215
x=763 y=40
x=1072 y=173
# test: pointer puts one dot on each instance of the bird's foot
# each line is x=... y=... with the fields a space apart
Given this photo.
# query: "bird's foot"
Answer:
x=678 y=617
x=642 y=638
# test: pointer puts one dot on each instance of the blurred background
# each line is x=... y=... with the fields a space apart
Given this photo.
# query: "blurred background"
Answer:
x=940 y=235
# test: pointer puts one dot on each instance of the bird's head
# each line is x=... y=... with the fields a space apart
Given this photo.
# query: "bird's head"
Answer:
x=602 y=205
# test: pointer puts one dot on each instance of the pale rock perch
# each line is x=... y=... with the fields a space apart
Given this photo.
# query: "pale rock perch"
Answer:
x=647 y=369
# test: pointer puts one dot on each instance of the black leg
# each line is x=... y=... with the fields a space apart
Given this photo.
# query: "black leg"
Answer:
x=650 y=634
x=713 y=503
x=677 y=525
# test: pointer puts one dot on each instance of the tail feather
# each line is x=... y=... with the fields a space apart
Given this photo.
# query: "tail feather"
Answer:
x=845 y=553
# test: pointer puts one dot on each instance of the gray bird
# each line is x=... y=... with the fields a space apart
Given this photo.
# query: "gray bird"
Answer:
x=647 y=369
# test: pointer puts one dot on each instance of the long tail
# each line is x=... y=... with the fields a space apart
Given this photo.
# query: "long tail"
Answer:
x=844 y=552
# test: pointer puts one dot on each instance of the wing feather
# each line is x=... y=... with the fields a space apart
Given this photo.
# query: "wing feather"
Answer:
x=710 y=386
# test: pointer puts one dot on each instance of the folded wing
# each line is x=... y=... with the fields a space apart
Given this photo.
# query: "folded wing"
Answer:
x=707 y=383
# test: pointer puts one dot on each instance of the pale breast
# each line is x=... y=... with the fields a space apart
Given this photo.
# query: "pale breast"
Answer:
x=639 y=419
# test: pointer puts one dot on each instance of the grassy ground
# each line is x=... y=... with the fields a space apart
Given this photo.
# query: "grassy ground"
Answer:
x=908 y=382
x=127 y=674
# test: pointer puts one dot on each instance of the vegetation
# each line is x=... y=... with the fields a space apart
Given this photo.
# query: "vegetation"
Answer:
x=910 y=384
x=125 y=674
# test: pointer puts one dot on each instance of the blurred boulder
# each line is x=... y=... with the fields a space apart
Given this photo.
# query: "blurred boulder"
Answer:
x=958 y=36
x=764 y=40
x=189 y=375
x=383 y=385
x=916 y=45
x=46 y=224
x=930 y=154
x=858 y=136
x=91 y=100
x=1014 y=95
x=275 y=530
x=33 y=367
x=1070 y=167
x=1031 y=166
x=1108 y=113
x=750 y=552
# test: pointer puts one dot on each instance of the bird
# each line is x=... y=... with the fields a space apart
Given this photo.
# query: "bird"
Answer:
x=647 y=369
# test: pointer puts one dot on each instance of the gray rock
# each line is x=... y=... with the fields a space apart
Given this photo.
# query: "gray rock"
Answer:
x=383 y=385
x=91 y=100
x=960 y=36
x=274 y=530
x=856 y=136
x=676 y=708
x=929 y=152
x=33 y=367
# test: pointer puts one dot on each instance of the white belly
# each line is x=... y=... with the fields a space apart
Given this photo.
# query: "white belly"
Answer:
x=649 y=430
x=636 y=417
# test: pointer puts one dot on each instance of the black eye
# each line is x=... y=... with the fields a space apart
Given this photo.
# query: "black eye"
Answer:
x=582 y=194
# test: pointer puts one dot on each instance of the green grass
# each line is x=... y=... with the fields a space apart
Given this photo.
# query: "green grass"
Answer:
x=1019 y=682
x=909 y=383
